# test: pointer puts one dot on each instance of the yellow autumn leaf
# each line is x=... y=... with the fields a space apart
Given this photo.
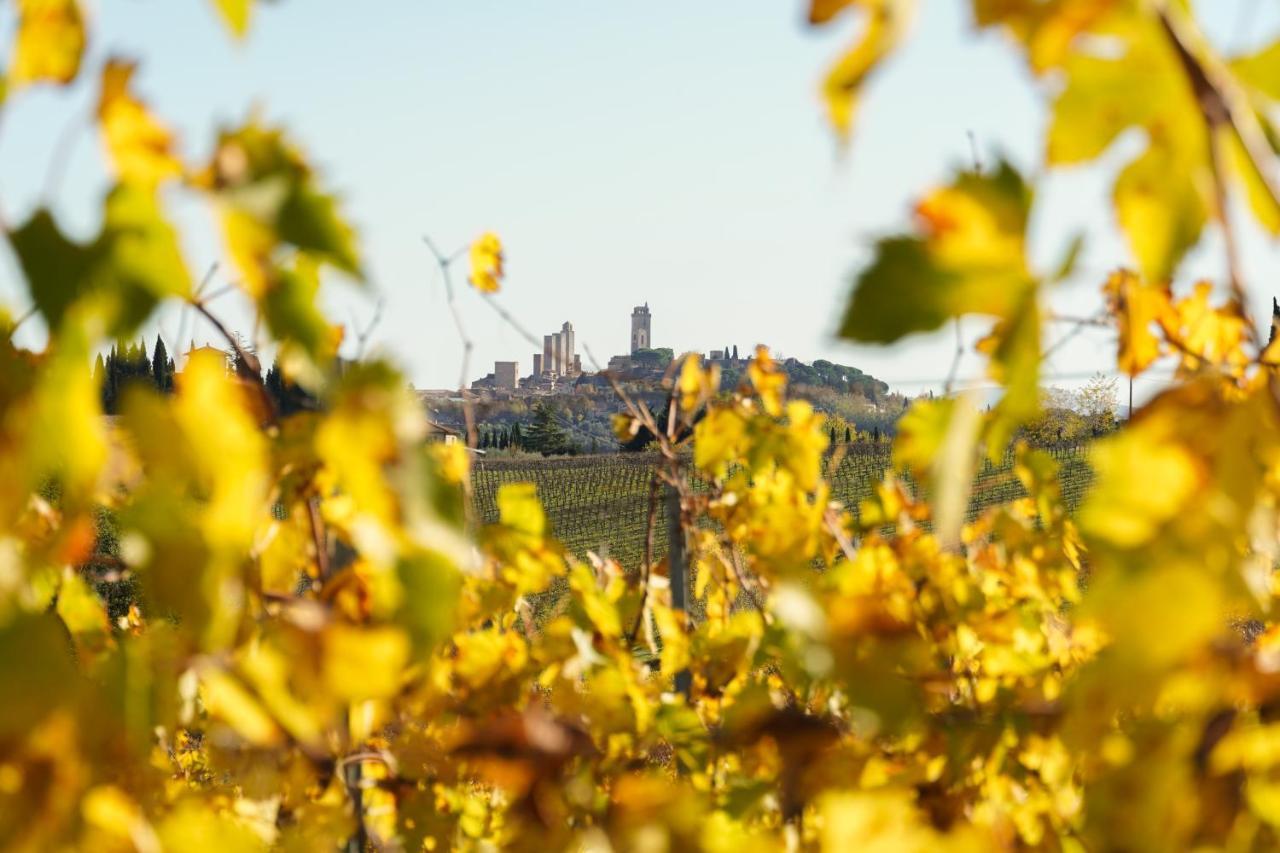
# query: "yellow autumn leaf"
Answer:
x=1137 y=307
x=235 y=13
x=50 y=42
x=1161 y=209
x=1145 y=478
x=696 y=385
x=227 y=700
x=768 y=380
x=486 y=263
x=1207 y=334
x=139 y=147
x=885 y=25
x=364 y=662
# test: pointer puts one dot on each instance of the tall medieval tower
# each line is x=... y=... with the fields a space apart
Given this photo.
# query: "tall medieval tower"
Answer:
x=640 y=338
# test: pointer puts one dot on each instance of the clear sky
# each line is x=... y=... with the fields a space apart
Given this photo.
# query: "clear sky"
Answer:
x=670 y=151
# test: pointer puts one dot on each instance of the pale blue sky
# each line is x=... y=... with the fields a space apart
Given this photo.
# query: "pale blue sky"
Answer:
x=666 y=151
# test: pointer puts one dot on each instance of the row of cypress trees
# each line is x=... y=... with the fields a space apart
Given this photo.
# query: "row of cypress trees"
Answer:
x=129 y=364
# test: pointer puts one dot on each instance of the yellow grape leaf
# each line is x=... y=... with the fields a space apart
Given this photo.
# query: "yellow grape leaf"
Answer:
x=67 y=434
x=821 y=11
x=139 y=147
x=1128 y=75
x=1260 y=70
x=133 y=264
x=50 y=42
x=951 y=476
x=1137 y=307
x=430 y=586
x=235 y=13
x=196 y=825
x=1144 y=480
x=719 y=438
x=226 y=699
x=884 y=821
x=519 y=509
x=921 y=433
x=1014 y=348
x=602 y=611
x=1207 y=334
x=111 y=810
x=364 y=662
x=37 y=668
x=285 y=556
x=1048 y=28
x=768 y=380
x=980 y=221
x=1161 y=211
x=1257 y=190
x=486 y=655
x=486 y=263
x=269 y=197
x=806 y=441
x=1159 y=616
x=695 y=384
x=81 y=609
x=290 y=308
x=968 y=259
x=885 y=25
x=675 y=639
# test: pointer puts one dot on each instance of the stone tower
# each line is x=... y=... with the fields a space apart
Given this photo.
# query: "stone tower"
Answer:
x=567 y=348
x=640 y=338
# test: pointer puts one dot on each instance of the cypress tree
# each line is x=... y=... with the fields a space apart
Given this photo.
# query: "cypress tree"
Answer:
x=848 y=435
x=160 y=374
x=110 y=382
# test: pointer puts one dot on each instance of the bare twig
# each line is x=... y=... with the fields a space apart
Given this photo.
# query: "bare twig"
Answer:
x=318 y=538
x=22 y=318
x=511 y=321
x=444 y=263
x=955 y=360
x=1079 y=326
x=247 y=358
x=640 y=413
x=1224 y=109
x=362 y=335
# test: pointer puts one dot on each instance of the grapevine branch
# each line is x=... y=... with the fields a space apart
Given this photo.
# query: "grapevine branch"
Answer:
x=1223 y=109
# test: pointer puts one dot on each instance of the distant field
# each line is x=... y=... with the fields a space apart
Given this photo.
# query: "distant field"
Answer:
x=600 y=503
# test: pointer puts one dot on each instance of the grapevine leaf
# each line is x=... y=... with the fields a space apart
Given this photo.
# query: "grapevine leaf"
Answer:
x=50 y=42
x=1161 y=211
x=886 y=25
x=139 y=147
x=235 y=14
x=969 y=260
x=486 y=263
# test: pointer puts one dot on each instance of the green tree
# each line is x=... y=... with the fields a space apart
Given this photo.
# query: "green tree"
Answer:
x=546 y=435
x=162 y=368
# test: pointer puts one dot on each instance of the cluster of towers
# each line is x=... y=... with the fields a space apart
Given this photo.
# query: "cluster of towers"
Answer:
x=557 y=357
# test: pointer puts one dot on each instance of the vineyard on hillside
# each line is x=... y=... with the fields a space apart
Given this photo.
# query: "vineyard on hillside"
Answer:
x=601 y=503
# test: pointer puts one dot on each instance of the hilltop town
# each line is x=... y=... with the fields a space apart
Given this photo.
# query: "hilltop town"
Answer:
x=558 y=369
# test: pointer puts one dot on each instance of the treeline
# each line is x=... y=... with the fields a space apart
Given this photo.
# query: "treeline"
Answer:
x=129 y=364
x=549 y=432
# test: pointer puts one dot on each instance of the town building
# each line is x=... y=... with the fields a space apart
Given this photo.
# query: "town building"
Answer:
x=641 y=338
